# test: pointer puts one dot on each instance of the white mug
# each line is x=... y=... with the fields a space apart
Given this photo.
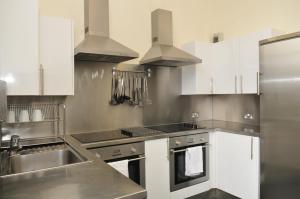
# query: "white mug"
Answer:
x=24 y=116
x=11 y=117
x=37 y=115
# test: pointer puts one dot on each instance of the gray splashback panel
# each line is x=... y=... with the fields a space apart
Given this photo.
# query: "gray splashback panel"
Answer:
x=234 y=107
x=89 y=110
x=168 y=106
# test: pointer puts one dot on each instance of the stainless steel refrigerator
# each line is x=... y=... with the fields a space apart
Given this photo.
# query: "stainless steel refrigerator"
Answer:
x=280 y=117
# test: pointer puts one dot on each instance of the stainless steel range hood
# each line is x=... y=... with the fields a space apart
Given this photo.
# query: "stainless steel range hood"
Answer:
x=162 y=52
x=97 y=46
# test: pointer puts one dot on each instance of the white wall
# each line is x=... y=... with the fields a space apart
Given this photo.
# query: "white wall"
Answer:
x=237 y=17
x=130 y=21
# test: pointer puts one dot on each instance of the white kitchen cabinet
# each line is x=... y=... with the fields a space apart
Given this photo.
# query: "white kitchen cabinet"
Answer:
x=224 y=64
x=19 y=46
x=197 y=78
x=157 y=169
x=249 y=60
x=57 y=55
x=237 y=164
x=229 y=67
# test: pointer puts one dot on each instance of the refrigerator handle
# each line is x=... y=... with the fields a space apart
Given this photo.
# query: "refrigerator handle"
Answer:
x=241 y=83
x=235 y=82
x=212 y=85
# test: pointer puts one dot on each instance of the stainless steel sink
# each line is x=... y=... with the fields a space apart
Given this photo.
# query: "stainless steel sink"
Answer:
x=40 y=160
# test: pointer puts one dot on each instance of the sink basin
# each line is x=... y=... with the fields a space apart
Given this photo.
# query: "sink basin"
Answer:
x=41 y=160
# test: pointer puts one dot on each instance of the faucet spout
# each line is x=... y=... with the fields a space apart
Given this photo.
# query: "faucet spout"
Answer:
x=15 y=143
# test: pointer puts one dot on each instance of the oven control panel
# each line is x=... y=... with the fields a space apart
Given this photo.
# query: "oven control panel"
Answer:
x=119 y=151
x=188 y=140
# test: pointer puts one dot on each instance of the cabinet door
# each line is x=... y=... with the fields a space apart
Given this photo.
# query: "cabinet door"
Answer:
x=204 y=70
x=188 y=73
x=157 y=169
x=224 y=63
x=237 y=165
x=57 y=55
x=249 y=61
x=19 y=46
x=196 y=79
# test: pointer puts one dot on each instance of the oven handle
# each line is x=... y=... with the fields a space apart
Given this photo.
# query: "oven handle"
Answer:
x=182 y=150
x=136 y=159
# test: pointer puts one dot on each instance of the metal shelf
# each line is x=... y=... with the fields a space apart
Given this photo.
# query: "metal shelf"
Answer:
x=53 y=117
x=33 y=122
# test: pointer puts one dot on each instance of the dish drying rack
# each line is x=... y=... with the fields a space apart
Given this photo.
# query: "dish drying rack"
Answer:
x=50 y=112
x=53 y=115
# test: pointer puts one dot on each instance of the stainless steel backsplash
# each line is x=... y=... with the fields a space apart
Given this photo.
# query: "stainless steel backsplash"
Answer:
x=89 y=109
x=234 y=107
x=168 y=105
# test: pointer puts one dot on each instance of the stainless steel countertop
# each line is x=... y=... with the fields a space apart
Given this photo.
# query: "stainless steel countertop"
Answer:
x=94 y=178
x=208 y=126
x=231 y=127
x=88 y=180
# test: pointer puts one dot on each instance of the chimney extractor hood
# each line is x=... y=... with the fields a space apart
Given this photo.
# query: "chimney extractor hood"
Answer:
x=162 y=52
x=97 y=46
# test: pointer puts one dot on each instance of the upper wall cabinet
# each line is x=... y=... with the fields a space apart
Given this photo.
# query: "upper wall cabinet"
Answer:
x=36 y=55
x=57 y=56
x=229 y=67
x=19 y=46
x=197 y=79
x=224 y=64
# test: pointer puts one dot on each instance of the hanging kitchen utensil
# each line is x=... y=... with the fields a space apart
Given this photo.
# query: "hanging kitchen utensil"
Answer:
x=148 y=101
x=113 y=90
x=120 y=98
x=126 y=92
x=136 y=90
x=140 y=92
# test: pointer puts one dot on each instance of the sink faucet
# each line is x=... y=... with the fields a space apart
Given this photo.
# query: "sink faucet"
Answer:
x=14 y=144
x=195 y=117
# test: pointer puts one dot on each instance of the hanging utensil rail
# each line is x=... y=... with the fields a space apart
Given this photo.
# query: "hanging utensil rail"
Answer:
x=148 y=72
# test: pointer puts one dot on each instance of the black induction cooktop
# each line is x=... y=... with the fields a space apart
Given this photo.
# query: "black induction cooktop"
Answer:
x=101 y=136
x=172 y=128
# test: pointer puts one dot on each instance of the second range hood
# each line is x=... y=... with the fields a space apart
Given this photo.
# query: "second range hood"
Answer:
x=97 y=45
x=162 y=52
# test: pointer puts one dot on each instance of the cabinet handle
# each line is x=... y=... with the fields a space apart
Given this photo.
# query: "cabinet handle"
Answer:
x=241 y=77
x=257 y=82
x=41 y=80
x=235 y=83
x=251 y=148
x=212 y=85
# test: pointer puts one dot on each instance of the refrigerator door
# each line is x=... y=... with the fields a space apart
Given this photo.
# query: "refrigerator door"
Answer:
x=3 y=101
x=280 y=119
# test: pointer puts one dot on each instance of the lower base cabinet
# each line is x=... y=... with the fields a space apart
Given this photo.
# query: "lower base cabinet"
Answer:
x=157 y=169
x=237 y=164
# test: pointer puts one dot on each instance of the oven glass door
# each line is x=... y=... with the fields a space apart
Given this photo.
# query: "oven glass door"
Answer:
x=136 y=168
x=178 y=178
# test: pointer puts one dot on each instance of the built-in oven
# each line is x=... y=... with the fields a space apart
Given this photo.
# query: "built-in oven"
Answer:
x=134 y=153
x=178 y=147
